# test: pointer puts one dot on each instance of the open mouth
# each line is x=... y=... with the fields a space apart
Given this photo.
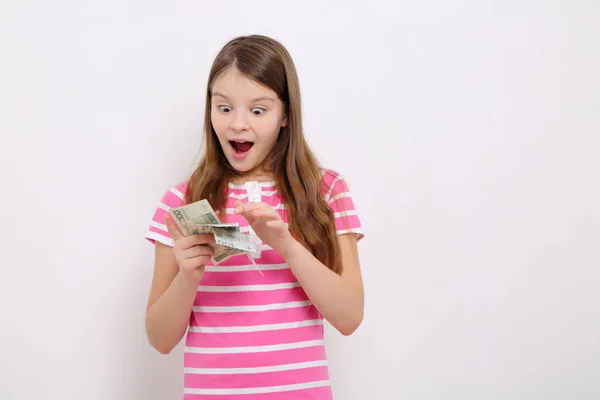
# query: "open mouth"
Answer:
x=241 y=147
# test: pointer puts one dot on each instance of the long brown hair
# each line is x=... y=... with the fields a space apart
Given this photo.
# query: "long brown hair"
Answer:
x=295 y=168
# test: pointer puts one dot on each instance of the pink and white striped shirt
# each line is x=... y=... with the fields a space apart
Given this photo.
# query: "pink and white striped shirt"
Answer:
x=252 y=336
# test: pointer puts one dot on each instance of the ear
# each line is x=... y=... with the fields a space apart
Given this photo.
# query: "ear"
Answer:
x=284 y=122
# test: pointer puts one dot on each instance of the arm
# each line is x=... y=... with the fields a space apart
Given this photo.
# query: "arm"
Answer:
x=170 y=302
x=340 y=298
x=177 y=272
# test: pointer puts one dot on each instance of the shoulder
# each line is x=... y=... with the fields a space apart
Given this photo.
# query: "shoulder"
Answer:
x=329 y=176
x=175 y=195
x=337 y=195
x=332 y=183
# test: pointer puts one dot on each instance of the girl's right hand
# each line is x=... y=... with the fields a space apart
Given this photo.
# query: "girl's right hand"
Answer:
x=191 y=252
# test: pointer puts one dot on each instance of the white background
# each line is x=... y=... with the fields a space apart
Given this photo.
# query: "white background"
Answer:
x=468 y=132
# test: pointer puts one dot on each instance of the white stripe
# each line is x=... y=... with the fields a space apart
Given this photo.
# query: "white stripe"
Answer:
x=254 y=349
x=264 y=307
x=164 y=206
x=160 y=238
x=330 y=190
x=279 y=206
x=267 y=389
x=158 y=225
x=338 y=196
x=240 y=196
x=243 y=185
x=255 y=328
x=240 y=268
x=352 y=230
x=176 y=192
x=257 y=370
x=248 y=288
x=344 y=213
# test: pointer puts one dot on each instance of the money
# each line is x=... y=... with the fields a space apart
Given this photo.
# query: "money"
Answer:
x=199 y=218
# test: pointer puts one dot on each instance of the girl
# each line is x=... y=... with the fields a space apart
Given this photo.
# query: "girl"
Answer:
x=253 y=335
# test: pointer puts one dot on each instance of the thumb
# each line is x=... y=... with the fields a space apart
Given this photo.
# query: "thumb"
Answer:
x=172 y=227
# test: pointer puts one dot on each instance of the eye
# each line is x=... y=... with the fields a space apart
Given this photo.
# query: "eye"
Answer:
x=225 y=109
x=258 y=111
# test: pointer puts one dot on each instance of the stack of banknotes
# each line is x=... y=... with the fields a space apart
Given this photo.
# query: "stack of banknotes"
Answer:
x=200 y=218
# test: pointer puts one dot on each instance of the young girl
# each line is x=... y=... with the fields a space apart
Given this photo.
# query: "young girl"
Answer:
x=253 y=335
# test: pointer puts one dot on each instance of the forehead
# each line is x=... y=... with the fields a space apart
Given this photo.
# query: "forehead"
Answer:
x=233 y=84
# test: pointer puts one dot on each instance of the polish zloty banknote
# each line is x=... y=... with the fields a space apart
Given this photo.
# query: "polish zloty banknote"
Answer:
x=200 y=218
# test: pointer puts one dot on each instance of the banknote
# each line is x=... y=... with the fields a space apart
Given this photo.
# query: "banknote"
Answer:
x=200 y=218
x=191 y=217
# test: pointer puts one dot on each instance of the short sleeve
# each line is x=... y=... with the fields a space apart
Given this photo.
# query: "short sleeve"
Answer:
x=157 y=231
x=337 y=195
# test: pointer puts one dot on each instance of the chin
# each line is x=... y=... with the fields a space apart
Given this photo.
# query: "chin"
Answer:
x=242 y=167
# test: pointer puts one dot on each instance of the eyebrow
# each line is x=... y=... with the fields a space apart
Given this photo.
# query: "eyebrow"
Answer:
x=253 y=100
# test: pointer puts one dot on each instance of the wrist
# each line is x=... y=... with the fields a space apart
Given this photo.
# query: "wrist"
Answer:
x=186 y=283
x=292 y=250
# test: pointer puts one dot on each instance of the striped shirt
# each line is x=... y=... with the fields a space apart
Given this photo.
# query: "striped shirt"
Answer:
x=252 y=335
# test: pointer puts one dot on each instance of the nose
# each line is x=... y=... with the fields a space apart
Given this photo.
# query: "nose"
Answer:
x=239 y=122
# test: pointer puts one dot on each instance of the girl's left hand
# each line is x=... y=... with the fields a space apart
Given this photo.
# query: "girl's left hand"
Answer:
x=267 y=224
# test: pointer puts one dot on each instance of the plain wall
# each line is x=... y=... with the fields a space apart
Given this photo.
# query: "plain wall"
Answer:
x=468 y=132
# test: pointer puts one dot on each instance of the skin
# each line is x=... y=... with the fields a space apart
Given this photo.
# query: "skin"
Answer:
x=244 y=109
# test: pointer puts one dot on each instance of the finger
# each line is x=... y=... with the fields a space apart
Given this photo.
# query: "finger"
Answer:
x=172 y=227
x=196 y=262
x=196 y=240
x=204 y=238
x=268 y=214
x=197 y=251
x=239 y=207
x=256 y=206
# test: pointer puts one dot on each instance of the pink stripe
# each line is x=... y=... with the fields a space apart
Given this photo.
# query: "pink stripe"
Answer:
x=318 y=393
x=171 y=199
x=241 y=259
x=249 y=298
x=270 y=257
x=263 y=338
x=245 y=360
x=271 y=199
x=329 y=177
x=182 y=187
x=342 y=204
x=339 y=186
x=159 y=216
x=266 y=257
x=226 y=381
x=252 y=277
x=215 y=319
x=348 y=222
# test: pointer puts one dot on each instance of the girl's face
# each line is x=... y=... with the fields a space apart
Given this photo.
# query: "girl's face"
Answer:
x=246 y=117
